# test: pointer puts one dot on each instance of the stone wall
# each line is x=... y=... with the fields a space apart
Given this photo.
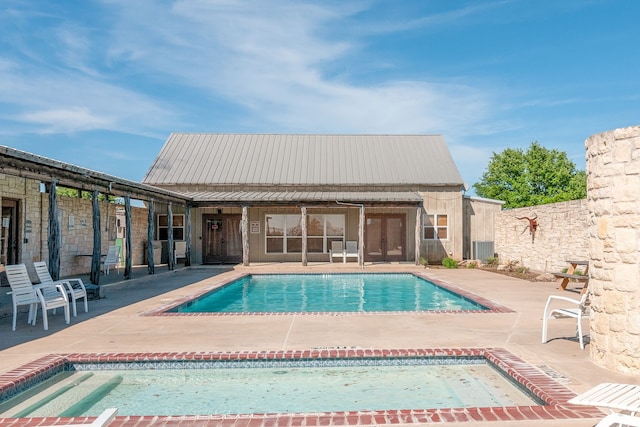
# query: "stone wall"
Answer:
x=562 y=234
x=76 y=226
x=613 y=180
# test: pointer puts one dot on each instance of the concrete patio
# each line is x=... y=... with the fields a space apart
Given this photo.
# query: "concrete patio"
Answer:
x=114 y=324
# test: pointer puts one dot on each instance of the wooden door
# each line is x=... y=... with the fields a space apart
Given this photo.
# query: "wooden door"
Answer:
x=9 y=232
x=221 y=240
x=384 y=237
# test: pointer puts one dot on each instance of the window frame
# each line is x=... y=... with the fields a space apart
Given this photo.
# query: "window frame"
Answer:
x=163 y=230
x=290 y=223
x=434 y=227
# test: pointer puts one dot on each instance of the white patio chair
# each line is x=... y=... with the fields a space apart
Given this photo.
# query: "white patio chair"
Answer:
x=351 y=251
x=336 y=250
x=112 y=259
x=615 y=397
x=578 y=311
x=22 y=291
x=180 y=251
x=49 y=295
x=75 y=287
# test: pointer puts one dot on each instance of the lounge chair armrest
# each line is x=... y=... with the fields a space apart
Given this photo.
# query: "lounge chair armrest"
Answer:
x=562 y=298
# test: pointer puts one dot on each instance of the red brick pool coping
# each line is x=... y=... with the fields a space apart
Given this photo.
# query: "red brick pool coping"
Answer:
x=554 y=394
x=492 y=307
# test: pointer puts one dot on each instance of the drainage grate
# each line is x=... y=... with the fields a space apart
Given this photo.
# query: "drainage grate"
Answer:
x=554 y=374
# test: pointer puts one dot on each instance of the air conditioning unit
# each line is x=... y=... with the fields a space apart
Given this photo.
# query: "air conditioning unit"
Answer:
x=483 y=250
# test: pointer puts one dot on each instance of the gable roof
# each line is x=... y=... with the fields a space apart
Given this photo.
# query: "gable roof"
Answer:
x=303 y=160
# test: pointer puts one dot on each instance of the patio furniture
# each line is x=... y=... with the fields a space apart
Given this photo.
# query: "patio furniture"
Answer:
x=578 y=311
x=49 y=295
x=101 y=420
x=75 y=288
x=615 y=397
x=571 y=275
x=180 y=251
x=336 y=250
x=112 y=259
x=351 y=251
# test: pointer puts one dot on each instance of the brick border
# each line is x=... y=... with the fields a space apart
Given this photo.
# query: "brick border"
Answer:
x=554 y=394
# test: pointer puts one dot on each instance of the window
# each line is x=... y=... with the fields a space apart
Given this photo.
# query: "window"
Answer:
x=283 y=233
x=163 y=227
x=435 y=227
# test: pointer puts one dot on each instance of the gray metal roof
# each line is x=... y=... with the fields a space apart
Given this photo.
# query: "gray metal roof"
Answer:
x=235 y=197
x=285 y=159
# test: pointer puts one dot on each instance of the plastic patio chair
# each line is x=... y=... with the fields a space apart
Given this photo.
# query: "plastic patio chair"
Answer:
x=75 y=288
x=112 y=259
x=49 y=295
x=577 y=311
x=336 y=250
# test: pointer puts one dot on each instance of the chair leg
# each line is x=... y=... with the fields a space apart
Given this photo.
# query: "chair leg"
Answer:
x=44 y=318
x=86 y=304
x=579 y=328
x=75 y=310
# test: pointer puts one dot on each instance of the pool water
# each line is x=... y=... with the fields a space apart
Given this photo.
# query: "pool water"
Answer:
x=283 y=387
x=303 y=293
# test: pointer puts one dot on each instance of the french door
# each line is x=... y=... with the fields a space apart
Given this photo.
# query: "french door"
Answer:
x=221 y=239
x=384 y=237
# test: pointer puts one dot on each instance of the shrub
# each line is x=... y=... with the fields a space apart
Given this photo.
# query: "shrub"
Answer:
x=492 y=261
x=424 y=262
x=472 y=264
x=450 y=263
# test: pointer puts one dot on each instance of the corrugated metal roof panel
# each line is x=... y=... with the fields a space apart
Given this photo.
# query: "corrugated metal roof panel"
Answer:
x=277 y=159
x=303 y=196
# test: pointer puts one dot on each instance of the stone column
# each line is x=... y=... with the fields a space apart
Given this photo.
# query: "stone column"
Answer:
x=613 y=186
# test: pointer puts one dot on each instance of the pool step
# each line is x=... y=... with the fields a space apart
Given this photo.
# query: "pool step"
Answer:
x=40 y=403
x=84 y=404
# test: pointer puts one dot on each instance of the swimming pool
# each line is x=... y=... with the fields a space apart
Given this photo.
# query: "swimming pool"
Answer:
x=339 y=293
x=541 y=394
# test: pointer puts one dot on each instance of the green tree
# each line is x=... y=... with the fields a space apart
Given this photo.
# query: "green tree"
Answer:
x=530 y=178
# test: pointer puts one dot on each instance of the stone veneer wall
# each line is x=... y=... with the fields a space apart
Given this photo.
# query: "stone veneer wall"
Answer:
x=562 y=234
x=613 y=182
x=76 y=236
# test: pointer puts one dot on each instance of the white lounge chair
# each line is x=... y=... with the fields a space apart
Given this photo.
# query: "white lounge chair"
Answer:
x=578 y=311
x=618 y=420
x=112 y=259
x=180 y=251
x=75 y=287
x=336 y=250
x=613 y=396
x=351 y=251
x=49 y=295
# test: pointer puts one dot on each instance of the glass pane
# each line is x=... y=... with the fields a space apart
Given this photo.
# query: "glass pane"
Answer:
x=429 y=233
x=163 y=234
x=275 y=245
x=162 y=220
x=315 y=225
x=178 y=234
x=294 y=245
x=178 y=221
x=335 y=225
x=428 y=220
x=442 y=220
x=314 y=245
x=294 y=225
x=274 y=225
x=442 y=233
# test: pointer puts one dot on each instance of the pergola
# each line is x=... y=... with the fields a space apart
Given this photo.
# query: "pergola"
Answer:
x=53 y=173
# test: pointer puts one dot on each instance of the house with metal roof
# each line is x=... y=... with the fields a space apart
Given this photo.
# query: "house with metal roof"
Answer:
x=284 y=197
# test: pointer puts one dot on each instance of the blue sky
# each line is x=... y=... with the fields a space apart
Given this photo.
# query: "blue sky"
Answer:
x=102 y=83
